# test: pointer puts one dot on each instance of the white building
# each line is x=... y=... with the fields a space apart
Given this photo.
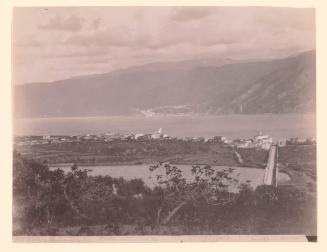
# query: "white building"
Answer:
x=46 y=137
x=158 y=134
x=260 y=137
x=266 y=145
x=245 y=144
x=281 y=142
x=263 y=141
x=138 y=136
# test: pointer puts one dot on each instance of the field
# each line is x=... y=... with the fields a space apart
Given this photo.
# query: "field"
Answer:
x=299 y=162
x=137 y=152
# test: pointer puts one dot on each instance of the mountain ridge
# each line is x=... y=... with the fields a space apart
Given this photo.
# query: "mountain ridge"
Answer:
x=266 y=86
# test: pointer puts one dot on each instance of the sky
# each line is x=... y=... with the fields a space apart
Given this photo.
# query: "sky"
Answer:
x=55 y=43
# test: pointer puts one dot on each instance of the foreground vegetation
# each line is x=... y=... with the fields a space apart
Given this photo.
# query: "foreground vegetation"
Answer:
x=299 y=162
x=54 y=203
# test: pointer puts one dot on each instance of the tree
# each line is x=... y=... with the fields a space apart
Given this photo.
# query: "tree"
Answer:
x=207 y=186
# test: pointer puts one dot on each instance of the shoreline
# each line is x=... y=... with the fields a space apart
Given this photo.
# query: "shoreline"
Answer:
x=67 y=165
x=161 y=115
x=205 y=125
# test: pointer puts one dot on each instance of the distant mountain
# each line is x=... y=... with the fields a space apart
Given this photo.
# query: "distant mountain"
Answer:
x=211 y=86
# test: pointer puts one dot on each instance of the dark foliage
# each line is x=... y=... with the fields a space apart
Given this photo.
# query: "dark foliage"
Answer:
x=54 y=203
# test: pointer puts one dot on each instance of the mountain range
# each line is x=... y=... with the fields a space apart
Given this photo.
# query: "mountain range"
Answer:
x=206 y=86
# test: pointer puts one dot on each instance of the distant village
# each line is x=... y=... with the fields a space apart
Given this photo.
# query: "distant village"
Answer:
x=258 y=141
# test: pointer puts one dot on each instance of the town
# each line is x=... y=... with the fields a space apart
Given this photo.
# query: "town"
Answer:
x=258 y=141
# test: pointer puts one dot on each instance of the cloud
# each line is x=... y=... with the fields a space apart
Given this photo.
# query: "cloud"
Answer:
x=95 y=23
x=30 y=42
x=189 y=13
x=73 y=52
x=117 y=36
x=109 y=38
x=72 y=24
x=164 y=36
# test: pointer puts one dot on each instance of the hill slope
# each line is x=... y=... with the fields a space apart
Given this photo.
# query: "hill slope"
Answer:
x=271 y=86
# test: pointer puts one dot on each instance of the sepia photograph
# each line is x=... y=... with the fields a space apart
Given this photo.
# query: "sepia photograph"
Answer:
x=164 y=121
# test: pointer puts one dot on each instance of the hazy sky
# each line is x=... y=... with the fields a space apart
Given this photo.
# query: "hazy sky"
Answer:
x=57 y=43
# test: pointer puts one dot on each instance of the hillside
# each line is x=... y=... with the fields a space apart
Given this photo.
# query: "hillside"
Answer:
x=216 y=86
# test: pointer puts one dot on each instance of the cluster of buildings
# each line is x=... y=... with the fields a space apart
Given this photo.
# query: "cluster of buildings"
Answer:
x=300 y=141
x=107 y=137
x=258 y=141
x=157 y=135
x=46 y=139
x=265 y=142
